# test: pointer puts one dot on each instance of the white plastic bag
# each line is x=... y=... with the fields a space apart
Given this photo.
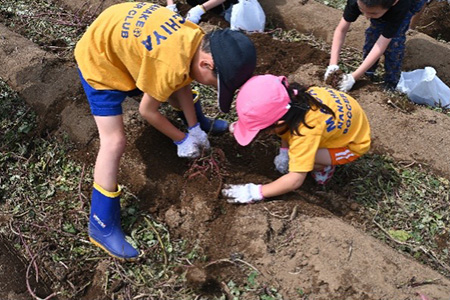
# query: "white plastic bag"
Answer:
x=422 y=86
x=248 y=15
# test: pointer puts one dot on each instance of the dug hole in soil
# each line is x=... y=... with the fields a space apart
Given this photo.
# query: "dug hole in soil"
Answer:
x=308 y=239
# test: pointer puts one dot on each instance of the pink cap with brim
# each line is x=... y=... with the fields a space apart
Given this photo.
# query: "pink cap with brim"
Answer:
x=261 y=102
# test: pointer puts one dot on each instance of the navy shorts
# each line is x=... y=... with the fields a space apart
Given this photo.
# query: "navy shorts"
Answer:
x=106 y=102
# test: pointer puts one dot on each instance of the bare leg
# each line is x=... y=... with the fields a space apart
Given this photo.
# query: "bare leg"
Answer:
x=112 y=147
x=105 y=229
x=323 y=159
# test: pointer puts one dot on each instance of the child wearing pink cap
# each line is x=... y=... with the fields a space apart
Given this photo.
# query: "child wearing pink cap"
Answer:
x=319 y=128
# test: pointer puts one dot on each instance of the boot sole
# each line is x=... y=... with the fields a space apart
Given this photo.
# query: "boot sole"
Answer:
x=109 y=253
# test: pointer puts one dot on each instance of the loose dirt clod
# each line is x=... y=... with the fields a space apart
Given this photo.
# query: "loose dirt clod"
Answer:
x=334 y=78
x=199 y=279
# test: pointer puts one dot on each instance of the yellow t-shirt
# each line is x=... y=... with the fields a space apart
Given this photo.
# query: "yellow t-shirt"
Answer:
x=349 y=129
x=138 y=45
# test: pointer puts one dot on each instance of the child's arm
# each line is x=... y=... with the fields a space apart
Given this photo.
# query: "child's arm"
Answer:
x=172 y=6
x=338 y=40
x=195 y=13
x=250 y=192
x=188 y=145
x=182 y=99
x=348 y=80
x=149 y=109
x=211 y=4
x=286 y=183
x=374 y=54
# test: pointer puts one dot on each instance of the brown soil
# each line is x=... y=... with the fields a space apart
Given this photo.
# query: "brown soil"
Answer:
x=312 y=239
x=13 y=272
x=285 y=57
x=435 y=20
x=334 y=79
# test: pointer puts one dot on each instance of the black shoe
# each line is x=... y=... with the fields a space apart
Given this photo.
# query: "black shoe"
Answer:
x=389 y=86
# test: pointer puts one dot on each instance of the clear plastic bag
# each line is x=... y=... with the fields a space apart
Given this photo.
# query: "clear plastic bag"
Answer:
x=248 y=15
x=422 y=86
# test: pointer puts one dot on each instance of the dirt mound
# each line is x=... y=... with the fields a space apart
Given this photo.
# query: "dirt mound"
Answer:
x=285 y=57
x=435 y=20
x=295 y=244
x=302 y=243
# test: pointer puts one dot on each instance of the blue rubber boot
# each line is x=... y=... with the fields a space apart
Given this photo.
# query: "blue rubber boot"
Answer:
x=105 y=230
x=216 y=127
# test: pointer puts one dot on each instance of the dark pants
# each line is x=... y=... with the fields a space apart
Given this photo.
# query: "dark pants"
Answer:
x=394 y=53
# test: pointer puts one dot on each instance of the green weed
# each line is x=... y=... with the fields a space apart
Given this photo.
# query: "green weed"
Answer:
x=407 y=203
x=47 y=24
x=45 y=195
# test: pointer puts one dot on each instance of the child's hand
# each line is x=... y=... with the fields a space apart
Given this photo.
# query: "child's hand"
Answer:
x=201 y=138
x=346 y=83
x=231 y=127
x=195 y=14
x=243 y=193
x=172 y=7
x=330 y=69
x=281 y=161
x=187 y=147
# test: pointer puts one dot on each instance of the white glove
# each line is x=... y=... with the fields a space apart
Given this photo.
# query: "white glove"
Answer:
x=231 y=127
x=201 y=138
x=195 y=14
x=346 y=83
x=281 y=161
x=330 y=69
x=187 y=147
x=172 y=7
x=243 y=193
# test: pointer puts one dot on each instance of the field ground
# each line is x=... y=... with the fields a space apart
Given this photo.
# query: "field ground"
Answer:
x=379 y=230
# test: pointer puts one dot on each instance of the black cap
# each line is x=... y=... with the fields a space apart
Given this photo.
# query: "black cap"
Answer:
x=234 y=57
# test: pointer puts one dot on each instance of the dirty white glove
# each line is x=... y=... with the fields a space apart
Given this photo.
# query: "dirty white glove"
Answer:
x=281 y=161
x=187 y=147
x=231 y=127
x=243 y=193
x=195 y=14
x=201 y=138
x=330 y=69
x=172 y=7
x=346 y=83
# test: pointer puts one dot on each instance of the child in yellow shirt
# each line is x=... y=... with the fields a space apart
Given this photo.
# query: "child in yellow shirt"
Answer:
x=141 y=47
x=319 y=127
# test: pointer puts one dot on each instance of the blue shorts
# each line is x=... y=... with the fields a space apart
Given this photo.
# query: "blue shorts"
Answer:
x=106 y=102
